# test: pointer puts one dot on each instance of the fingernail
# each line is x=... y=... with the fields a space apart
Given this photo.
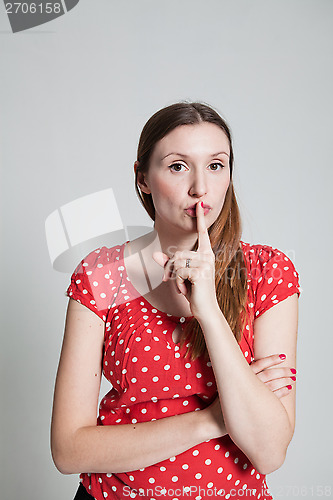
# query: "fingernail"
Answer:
x=293 y=378
x=292 y=370
x=202 y=203
x=282 y=356
x=289 y=387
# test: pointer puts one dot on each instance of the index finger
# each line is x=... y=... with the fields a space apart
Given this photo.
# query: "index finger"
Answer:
x=203 y=236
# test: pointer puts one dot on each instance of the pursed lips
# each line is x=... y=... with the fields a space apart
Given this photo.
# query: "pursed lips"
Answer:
x=192 y=210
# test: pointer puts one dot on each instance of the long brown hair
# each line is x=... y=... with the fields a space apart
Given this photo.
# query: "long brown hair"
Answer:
x=225 y=233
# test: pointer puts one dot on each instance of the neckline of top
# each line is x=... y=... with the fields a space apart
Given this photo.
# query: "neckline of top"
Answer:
x=154 y=310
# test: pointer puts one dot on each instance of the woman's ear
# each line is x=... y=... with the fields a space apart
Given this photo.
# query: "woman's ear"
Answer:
x=141 y=179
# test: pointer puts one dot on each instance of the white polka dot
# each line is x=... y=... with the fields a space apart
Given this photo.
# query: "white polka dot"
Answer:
x=176 y=377
x=210 y=485
x=143 y=389
x=134 y=359
x=244 y=486
x=151 y=480
x=263 y=297
x=174 y=479
x=133 y=380
x=195 y=453
x=144 y=369
x=198 y=375
x=167 y=367
x=165 y=389
x=229 y=476
x=208 y=461
x=144 y=410
x=217 y=447
x=147 y=348
x=163 y=469
x=220 y=470
x=164 y=409
x=185 y=466
x=157 y=357
x=155 y=379
x=95 y=283
x=187 y=365
x=258 y=476
x=188 y=387
x=198 y=475
x=103 y=295
x=185 y=403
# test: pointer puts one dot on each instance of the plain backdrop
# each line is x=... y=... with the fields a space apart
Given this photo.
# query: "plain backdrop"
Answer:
x=75 y=94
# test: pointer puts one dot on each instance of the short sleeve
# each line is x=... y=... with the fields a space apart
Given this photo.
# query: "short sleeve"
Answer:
x=90 y=282
x=274 y=278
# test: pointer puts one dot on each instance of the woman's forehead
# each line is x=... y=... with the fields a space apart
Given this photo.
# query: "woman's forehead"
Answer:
x=201 y=138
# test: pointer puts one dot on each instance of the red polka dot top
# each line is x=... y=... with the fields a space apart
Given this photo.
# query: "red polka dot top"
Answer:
x=151 y=377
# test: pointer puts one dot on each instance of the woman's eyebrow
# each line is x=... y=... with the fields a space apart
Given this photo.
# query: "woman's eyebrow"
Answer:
x=186 y=156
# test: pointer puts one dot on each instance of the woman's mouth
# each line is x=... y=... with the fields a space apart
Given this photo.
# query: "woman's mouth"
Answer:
x=191 y=211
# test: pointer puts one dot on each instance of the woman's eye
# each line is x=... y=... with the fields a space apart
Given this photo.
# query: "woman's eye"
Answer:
x=176 y=167
x=216 y=166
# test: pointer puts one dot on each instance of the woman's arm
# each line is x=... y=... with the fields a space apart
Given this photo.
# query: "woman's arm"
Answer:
x=257 y=421
x=78 y=444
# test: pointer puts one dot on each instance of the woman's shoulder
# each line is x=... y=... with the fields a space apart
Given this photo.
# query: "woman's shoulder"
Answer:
x=102 y=256
x=260 y=253
x=272 y=276
x=96 y=278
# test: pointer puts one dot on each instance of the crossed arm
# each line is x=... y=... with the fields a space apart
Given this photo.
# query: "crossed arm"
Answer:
x=262 y=430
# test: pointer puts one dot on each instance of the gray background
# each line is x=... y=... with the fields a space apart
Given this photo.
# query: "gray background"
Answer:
x=75 y=94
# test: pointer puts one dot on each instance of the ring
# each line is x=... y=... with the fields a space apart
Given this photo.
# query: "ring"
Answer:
x=187 y=262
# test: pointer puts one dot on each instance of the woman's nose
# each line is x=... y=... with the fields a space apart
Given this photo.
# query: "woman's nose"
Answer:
x=198 y=185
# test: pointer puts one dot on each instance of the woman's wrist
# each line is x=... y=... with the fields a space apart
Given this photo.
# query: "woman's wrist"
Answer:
x=209 y=314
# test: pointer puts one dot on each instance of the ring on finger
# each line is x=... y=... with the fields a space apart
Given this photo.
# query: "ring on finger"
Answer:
x=187 y=264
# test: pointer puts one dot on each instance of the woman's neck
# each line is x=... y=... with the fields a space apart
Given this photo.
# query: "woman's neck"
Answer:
x=169 y=242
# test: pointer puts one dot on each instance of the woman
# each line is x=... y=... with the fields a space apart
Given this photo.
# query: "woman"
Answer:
x=195 y=329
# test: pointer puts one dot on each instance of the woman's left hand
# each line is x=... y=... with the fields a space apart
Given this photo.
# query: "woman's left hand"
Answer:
x=193 y=272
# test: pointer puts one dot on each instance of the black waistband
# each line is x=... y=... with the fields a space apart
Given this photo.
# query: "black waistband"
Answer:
x=82 y=494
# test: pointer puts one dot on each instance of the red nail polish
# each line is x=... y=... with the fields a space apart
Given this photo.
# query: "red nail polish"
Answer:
x=282 y=356
x=292 y=370
x=202 y=203
x=293 y=378
x=289 y=387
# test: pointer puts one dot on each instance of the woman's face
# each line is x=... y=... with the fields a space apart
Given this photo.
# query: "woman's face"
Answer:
x=188 y=165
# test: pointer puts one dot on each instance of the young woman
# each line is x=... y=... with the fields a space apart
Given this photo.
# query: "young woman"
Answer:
x=195 y=329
